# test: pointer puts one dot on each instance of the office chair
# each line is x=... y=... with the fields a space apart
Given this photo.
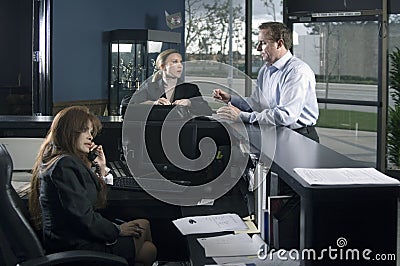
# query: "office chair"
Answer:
x=18 y=241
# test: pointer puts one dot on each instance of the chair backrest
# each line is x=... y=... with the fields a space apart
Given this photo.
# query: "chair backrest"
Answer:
x=19 y=240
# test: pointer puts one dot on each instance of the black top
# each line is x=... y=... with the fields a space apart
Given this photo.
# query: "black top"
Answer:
x=154 y=90
x=68 y=193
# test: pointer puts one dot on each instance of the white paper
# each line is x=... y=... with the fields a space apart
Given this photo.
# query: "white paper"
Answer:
x=251 y=228
x=208 y=202
x=231 y=245
x=253 y=260
x=256 y=242
x=344 y=176
x=210 y=224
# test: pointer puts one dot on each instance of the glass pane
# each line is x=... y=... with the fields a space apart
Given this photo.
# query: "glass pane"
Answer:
x=209 y=75
x=207 y=34
x=127 y=71
x=393 y=138
x=349 y=130
x=263 y=11
x=343 y=55
x=344 y=58
x=16 y=57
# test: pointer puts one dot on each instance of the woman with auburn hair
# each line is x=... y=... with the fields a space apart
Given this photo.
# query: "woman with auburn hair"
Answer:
x=67 y=194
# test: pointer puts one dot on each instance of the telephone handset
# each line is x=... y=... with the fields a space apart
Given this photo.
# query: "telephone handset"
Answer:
x=91 y=156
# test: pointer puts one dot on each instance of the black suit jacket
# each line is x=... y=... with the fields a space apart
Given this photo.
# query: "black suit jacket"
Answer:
x=154 y=90
x=68 y=193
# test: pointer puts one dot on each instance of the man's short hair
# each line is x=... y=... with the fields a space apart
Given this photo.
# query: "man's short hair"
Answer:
x=277 y=31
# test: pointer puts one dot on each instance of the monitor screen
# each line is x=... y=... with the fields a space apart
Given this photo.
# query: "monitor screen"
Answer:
x=150 y=155
x=155 y=150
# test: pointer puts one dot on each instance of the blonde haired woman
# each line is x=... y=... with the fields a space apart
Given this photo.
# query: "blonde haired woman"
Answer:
x=167 y=87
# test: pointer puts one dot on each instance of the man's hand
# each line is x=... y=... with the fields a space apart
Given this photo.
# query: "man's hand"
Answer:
x=221 y=95
x=229 y=112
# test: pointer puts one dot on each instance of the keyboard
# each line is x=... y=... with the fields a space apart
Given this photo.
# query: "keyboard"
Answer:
x=126 y=183
x=124 y=180
x=119 y=168
x=122 y=177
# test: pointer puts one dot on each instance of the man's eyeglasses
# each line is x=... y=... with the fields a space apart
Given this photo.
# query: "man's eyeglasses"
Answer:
x=262 y=44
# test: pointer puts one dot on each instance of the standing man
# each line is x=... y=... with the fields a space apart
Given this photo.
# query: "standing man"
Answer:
x=285 y=93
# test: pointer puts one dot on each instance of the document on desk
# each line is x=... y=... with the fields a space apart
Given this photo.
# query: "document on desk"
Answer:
x=271 y=260
x=210 y=224
x=344 y=176
x=231 y=245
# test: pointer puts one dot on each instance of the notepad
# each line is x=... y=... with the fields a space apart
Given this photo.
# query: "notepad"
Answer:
x=344 y=176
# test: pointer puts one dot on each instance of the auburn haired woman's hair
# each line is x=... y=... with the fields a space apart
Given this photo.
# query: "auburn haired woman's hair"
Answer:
x=61 y=140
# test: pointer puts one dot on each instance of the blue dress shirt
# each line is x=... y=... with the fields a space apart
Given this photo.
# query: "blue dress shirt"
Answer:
x=285 y=95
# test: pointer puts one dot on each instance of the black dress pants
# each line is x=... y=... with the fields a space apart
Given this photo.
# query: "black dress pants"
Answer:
x=309 y=132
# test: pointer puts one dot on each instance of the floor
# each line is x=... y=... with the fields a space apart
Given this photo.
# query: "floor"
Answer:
x=357 y=145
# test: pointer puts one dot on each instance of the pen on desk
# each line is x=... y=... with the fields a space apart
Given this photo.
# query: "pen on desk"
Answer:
x=119 y=220
x=220 y=101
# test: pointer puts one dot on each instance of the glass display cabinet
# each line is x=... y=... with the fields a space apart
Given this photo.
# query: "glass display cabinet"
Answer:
x=132 y=54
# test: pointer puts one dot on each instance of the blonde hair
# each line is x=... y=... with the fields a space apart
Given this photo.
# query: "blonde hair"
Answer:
x=160 y=61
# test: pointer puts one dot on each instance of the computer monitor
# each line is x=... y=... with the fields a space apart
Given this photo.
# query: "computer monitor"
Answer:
x=149 y=156
x=154 y=148
x=147 y=112
x=110 y=139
